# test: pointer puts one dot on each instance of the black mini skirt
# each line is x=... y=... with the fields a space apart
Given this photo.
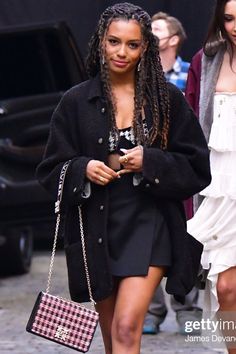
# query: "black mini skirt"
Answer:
x=138 y=236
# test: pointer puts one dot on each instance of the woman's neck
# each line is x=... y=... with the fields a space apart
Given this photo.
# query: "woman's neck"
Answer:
x=125 y=80
x=230 y=58
x=226 y=81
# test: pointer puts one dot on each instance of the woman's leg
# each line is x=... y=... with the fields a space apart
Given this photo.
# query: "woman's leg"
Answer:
x=105 y=309
x=133 y=297
x=226 y=291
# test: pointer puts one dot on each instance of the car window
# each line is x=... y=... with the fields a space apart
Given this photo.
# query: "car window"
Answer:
x=31 y=64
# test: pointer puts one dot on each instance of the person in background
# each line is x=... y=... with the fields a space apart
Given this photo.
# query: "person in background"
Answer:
x=136 y=150
x=211 y=90
x=171 y=36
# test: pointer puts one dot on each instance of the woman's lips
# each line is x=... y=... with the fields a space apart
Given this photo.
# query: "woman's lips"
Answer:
x=119 y=63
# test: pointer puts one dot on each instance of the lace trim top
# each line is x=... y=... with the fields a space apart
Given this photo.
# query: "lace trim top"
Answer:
x=223 y=130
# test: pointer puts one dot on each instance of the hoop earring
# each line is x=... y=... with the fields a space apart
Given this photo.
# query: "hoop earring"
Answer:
x=139 y=66
x=221 y=38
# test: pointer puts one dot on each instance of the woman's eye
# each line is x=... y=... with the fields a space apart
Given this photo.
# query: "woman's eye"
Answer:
x=228 y=18
x=133 y=45
x=112 y=41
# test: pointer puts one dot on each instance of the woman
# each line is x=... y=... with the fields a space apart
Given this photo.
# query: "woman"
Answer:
x=136 y=152
x=212 y=76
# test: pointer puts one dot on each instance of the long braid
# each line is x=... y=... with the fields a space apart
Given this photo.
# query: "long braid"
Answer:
x=164 y=104
x=138 y=106
x=150 y=83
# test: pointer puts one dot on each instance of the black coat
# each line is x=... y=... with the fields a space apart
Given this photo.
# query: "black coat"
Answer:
x=79 y=132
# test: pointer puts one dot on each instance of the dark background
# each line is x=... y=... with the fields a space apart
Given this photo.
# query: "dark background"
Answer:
x=82 y=16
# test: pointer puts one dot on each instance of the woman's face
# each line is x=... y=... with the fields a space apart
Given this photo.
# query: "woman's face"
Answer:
x=230 y=20
x=123 y=46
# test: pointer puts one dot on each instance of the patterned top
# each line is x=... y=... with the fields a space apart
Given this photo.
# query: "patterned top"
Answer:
x=178 y=74
x=128 y=134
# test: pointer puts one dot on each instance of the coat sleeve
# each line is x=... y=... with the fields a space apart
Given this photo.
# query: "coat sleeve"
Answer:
x=61 y=147
x=192 y=92
x=183 y=169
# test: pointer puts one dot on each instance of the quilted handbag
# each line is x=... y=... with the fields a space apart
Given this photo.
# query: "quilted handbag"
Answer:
x=60 y=320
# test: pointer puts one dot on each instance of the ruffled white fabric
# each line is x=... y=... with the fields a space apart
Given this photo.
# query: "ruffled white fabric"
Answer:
x=223 y=130
x=223 y=170
x=222 y=143
x=214 y=223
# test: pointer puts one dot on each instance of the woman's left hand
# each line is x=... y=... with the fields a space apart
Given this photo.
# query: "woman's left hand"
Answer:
x=132 y=160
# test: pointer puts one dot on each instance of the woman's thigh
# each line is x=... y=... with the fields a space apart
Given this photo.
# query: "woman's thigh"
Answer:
x=134 y=295
x=130 y=298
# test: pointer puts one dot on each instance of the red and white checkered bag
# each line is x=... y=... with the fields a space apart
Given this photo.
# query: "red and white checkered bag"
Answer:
x=63 y=321
x=59 y=320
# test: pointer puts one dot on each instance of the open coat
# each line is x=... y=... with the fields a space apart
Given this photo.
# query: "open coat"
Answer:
x=79 y=132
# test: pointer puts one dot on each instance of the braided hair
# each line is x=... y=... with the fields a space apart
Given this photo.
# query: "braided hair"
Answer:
x=150 y=83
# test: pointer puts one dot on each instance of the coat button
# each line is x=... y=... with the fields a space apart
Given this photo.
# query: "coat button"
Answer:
x=100 y=140
x=156 y=180
x=147 y=185
x=103 y=109
x=75 y=190
x=215 y=237
x=101 y=207
x=100 y=240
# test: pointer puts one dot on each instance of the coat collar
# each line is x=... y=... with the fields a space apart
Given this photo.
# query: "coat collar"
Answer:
x=95 y=89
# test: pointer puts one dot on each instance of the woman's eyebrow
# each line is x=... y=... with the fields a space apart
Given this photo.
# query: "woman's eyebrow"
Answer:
x=118 y=38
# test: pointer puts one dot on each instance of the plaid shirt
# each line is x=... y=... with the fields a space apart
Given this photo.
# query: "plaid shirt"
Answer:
x=178 y=74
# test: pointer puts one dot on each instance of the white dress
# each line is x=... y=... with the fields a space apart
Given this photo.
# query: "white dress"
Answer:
x=214 y=223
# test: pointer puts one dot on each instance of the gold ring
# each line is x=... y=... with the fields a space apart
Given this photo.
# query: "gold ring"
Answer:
x=126 y=159
x=101 y=179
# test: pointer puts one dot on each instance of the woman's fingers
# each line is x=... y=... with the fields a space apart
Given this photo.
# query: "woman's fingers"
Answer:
x=124 y=159
x=97 y=172
x=133 y=159
x=124 y=171
x=101 y=174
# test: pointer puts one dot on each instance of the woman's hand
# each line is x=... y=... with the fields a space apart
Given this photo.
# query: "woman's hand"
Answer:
x=132 y=160
x=97 y=172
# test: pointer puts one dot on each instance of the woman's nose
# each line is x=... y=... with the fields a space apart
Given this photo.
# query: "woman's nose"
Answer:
x=122 y=51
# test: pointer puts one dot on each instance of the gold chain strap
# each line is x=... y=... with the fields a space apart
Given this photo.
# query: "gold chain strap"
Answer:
x=53 y=253
x=57 y=210
x=85 y=256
